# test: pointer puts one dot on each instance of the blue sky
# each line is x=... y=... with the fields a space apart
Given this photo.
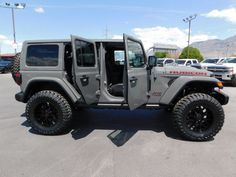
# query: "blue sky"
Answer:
x=151 y=20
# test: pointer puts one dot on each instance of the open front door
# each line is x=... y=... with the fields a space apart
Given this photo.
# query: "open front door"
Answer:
x=85 y=68
x=136 y=81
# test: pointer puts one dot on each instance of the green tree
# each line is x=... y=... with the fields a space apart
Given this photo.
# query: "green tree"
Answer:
x=161 y=54
x=193 y=53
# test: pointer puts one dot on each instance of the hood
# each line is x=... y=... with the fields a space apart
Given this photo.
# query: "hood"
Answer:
x=229 y=64
x=5 y=63
x=207 y=64
x=221 y=66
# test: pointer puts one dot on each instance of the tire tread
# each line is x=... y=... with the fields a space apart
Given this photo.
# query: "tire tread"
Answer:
x=65 y=107
x=184 y=103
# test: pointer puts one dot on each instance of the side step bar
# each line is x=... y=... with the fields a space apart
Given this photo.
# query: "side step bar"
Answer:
x=124 y=105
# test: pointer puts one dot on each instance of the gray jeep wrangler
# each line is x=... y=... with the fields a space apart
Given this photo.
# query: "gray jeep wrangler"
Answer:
x=58 y=76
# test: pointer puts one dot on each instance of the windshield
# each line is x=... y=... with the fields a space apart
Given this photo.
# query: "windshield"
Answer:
x=210 y=60
x=5 y=59
x=119 y=57
x=160 y=61
x=230 y=60
x=180 y=62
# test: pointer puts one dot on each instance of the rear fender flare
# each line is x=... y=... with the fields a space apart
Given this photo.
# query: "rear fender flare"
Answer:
x=65 y=86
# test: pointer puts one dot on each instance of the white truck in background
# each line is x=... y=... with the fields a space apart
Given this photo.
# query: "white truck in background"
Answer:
x=225 y=71
x=211 y=62
x=186 y=62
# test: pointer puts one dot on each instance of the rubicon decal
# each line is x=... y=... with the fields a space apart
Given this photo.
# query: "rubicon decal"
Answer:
x=188 y=73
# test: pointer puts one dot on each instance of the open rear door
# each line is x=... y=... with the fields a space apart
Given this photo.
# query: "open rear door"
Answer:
x=85 y=68
x=136 y=80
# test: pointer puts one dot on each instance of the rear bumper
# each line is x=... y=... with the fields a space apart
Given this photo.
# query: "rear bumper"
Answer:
x=20 y=97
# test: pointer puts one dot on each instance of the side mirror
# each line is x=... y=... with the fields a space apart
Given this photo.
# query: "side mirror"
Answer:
x=152 y=61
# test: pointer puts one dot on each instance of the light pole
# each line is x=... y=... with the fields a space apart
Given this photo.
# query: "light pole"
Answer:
x=227 y=49
x=12 y=7
x=189 y=20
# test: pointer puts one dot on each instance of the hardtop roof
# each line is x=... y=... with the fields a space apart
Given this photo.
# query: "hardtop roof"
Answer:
x=69 y=40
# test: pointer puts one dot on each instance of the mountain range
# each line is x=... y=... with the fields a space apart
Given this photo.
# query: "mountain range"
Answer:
x=217 y=47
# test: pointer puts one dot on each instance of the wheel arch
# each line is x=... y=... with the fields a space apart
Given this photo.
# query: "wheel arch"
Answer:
x=184 y=86
x=37 y=85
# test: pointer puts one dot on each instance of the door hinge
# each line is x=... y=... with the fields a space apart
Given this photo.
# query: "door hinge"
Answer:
x=148 y=95
x=98 y=77
x=98 y=93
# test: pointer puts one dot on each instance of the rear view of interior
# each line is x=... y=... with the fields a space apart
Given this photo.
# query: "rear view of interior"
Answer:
x=114 y=60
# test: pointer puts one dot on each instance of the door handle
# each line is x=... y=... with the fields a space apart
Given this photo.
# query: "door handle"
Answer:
x=84 y=80
x=133 y=81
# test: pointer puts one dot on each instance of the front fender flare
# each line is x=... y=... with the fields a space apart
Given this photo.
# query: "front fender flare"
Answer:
x=179 y=84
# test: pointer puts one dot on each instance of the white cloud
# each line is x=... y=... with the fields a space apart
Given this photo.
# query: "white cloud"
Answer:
x=160 y=34
x=5 y=41
x=201 y=37
x=117 y=37
x=39 y=10
x=226 y=14
x=2 y=38
x=7 y=45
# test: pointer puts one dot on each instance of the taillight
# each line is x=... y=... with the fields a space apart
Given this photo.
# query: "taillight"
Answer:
x=18 y=78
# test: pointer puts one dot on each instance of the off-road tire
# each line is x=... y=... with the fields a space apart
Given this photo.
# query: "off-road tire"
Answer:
x=59 y=103
x=193 y=101
x=16 y=66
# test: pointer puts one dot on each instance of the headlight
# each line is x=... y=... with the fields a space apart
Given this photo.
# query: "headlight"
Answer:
x=204 y=67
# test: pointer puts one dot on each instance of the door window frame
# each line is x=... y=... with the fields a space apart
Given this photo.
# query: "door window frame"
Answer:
x=95 y=54
x=127 y=55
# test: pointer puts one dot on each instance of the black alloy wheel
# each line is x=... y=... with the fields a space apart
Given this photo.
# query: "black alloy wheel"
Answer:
x=199 y=119
x=46 y=114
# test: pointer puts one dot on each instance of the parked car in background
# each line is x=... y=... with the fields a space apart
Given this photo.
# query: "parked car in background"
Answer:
x=5 y=65
x=211 y=62
x=165 y=61
x=225 y=71
x=186 y=62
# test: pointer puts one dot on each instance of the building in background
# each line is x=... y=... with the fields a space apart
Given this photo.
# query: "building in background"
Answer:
x=171 y=50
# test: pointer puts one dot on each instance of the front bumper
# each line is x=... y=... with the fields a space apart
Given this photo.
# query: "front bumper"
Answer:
x=225 y=77
x=222 y=97
x=2 y=69
x=20 y=97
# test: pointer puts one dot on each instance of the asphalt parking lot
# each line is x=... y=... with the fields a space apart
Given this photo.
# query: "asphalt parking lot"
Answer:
x=111 y=143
